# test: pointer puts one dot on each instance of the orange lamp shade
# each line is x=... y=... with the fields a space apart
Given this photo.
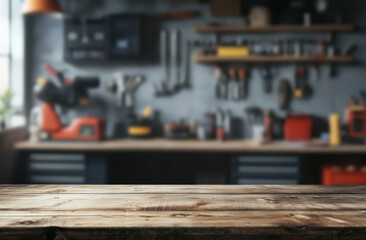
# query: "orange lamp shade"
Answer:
x=41 y=6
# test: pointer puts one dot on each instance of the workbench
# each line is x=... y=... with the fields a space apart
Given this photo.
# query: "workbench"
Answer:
x=162 y=161
x=160 y=145
x=182 y=212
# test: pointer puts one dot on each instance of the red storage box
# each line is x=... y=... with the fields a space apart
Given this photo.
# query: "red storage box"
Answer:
x=298 y=127
x=341 y=176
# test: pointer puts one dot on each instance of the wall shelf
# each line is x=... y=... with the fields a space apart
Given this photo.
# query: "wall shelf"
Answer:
x=202 y=58
x=275 y=28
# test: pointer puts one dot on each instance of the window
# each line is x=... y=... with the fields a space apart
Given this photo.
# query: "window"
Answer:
x=5 y=56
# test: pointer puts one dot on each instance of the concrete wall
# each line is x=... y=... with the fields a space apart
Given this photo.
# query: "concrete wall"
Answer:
x=45 y=41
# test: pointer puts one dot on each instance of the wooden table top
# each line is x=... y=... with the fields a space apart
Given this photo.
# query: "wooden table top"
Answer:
x=162 y=145
x=184 y=212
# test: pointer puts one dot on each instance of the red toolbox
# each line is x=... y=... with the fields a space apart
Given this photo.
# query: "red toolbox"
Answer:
x=298 y=127
x=341 y=174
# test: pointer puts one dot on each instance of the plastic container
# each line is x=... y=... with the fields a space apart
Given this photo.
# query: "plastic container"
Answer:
x=298 y=127
x=343 y=175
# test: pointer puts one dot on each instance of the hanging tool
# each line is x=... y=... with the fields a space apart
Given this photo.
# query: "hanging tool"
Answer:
x=236 y=90
x=301 y=86
x=175 y=59
x=299 y=82
x=218 y=75
x=232 y=85
x=267 y=79
x=243 y=83
x=284 y=94
x=223 y=86
x=125 y=86
x=180 y=80
x=186 y=67
x=163 y=89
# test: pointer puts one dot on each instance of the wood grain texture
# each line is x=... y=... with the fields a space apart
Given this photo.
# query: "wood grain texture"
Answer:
x=184 y=202
x=278 y=28
x=182 y=212
x=178 y=189
x=160 y=145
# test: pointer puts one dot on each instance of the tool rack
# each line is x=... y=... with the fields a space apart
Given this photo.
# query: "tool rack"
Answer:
x=236 y=29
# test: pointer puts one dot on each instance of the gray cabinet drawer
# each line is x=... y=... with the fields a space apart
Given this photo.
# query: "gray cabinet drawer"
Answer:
x=278 y=170
x=49 y=168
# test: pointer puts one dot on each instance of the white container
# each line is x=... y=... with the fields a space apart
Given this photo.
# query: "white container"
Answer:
x=258 y=133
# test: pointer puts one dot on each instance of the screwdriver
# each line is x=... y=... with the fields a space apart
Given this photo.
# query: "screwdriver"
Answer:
x=243 y=83
x=233 y=89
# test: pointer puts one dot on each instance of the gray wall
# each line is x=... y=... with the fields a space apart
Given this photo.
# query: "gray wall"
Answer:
x=45 y=41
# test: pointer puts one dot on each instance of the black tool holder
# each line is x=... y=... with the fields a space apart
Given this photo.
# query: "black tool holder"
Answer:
x=114 y=37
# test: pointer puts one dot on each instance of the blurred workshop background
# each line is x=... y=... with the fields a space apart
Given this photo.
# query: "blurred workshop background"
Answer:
x=183 y=92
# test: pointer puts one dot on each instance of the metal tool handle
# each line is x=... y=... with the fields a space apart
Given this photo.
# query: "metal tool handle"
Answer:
x=174 y=54
x=267 y=82
x=164 y=53
x=267 y=79
x=186 y=66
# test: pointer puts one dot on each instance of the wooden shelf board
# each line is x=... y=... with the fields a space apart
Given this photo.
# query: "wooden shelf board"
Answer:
x=199 y=57
x=162 y=145
x=275 y=28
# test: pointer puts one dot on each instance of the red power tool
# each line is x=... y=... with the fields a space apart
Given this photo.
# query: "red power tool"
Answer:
x=67 y=93
x=356 y=118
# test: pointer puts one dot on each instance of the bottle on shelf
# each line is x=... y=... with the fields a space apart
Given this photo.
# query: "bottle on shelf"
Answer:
x=276 y=48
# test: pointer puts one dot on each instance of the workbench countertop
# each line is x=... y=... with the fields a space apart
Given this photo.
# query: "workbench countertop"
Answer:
x=182 y=212
x=162 y=145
